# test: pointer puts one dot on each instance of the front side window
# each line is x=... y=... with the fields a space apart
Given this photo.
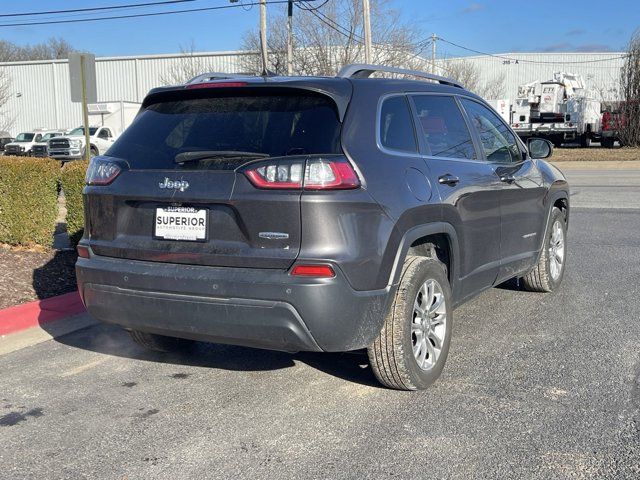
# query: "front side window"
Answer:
x=396 y=127
x=444 y=129
x=498 y=142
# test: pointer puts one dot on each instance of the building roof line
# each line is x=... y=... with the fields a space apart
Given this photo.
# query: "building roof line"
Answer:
x=136 y=57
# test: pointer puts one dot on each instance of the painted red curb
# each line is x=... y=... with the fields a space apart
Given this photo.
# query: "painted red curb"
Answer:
x=33 y=314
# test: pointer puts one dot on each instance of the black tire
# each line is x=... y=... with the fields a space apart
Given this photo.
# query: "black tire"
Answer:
x=158 y=343
x=391 y=354
x=607 y=142
x=93 y=152
x=540 y=278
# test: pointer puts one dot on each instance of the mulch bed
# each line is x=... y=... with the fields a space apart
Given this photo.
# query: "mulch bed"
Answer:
x=27 y=275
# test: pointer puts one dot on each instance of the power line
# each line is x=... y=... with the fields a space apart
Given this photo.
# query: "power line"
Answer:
x=524 y=60
x=94 y=9
x=427 y=41
x=139 y=15
x=311 y=9
x=344 y=31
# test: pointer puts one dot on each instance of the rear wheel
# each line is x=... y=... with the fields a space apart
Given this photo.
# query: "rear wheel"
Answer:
x=158 y=343
x=607 y=142
x=547 y=275
x=412 y=347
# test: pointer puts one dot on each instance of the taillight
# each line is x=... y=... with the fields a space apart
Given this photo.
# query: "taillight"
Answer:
x=310 y=174
x=324 y=271
x=102 y=172
x=83 y=252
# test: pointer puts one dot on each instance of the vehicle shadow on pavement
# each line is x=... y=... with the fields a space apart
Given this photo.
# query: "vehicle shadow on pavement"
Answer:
x=112 y=340
x=512 y=284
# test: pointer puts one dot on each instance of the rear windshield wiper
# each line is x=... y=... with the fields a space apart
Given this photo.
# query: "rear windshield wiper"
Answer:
x=216 y=154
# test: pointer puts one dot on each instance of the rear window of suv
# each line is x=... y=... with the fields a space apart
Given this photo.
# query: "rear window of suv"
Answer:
x=275 y=125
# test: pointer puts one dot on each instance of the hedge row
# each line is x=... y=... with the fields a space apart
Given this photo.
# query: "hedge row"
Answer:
x=72 y=177
x=28 y=200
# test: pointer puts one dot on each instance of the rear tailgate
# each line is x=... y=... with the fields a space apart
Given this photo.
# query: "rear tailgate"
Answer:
x=207 y=212
x=123 y=220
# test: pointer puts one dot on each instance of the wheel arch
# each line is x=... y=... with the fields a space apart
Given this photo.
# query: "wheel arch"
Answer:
x=439 y=240
x=557 y=198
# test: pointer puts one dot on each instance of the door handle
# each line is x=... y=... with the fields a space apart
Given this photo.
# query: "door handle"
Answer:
x=507 y=178
x=448 y=179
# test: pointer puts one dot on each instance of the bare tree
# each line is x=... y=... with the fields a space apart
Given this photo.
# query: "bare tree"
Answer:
x=54 y=48
x=329 y=37
x=187 y=66
x=630 y=89
x=469 y=75
x=6 y=120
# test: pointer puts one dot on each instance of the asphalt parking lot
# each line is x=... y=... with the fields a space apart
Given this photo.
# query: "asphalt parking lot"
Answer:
x=536 y=386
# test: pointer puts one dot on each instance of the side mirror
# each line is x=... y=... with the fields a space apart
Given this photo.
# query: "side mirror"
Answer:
x=539 y=148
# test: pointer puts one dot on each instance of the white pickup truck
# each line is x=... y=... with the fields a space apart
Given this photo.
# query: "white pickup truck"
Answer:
x=115 y=117
x=24 y=142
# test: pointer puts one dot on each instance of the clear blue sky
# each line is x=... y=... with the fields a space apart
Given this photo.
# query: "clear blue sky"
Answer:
x=487 y=25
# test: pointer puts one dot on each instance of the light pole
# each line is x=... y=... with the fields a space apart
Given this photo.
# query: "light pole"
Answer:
x=290 y=38
x=367 y=31
x=263 y=36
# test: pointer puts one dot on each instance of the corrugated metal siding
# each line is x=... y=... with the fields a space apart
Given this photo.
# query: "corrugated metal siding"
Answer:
x=40 y=94
x=603 y=76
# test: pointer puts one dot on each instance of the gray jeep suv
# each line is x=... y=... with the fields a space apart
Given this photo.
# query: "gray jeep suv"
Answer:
x=317 y=214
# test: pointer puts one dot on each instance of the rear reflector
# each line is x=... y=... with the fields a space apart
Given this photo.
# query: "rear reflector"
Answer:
x=216 y=85
x=323 y=271
x=330 y=173
x=83 y=252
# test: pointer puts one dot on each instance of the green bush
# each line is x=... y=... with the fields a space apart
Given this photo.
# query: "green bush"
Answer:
x=72 y=184
x=28 y=200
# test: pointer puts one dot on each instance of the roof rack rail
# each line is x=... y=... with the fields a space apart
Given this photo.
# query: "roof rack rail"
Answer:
x=209 y=76
x=364 y=70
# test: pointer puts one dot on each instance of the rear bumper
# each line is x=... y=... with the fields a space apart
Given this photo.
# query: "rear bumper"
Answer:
x=262 y=308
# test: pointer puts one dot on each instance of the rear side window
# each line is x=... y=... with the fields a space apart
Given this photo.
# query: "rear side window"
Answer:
x=444 y=129
x=275 y=125
x=396 y=127
x=498 y=142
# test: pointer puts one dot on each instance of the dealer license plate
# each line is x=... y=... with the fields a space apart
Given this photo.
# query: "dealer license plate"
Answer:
x=180 y=223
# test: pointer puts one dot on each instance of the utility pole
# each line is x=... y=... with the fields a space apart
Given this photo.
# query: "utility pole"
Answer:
x=367 y=31
x=290 y=38
x=263 y=36
x=434 y=37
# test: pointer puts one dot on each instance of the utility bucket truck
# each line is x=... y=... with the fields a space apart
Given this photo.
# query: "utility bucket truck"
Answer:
x=561 y=109
x=107 y=122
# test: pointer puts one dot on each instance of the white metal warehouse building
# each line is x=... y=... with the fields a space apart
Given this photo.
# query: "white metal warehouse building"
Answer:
x=40 y=96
